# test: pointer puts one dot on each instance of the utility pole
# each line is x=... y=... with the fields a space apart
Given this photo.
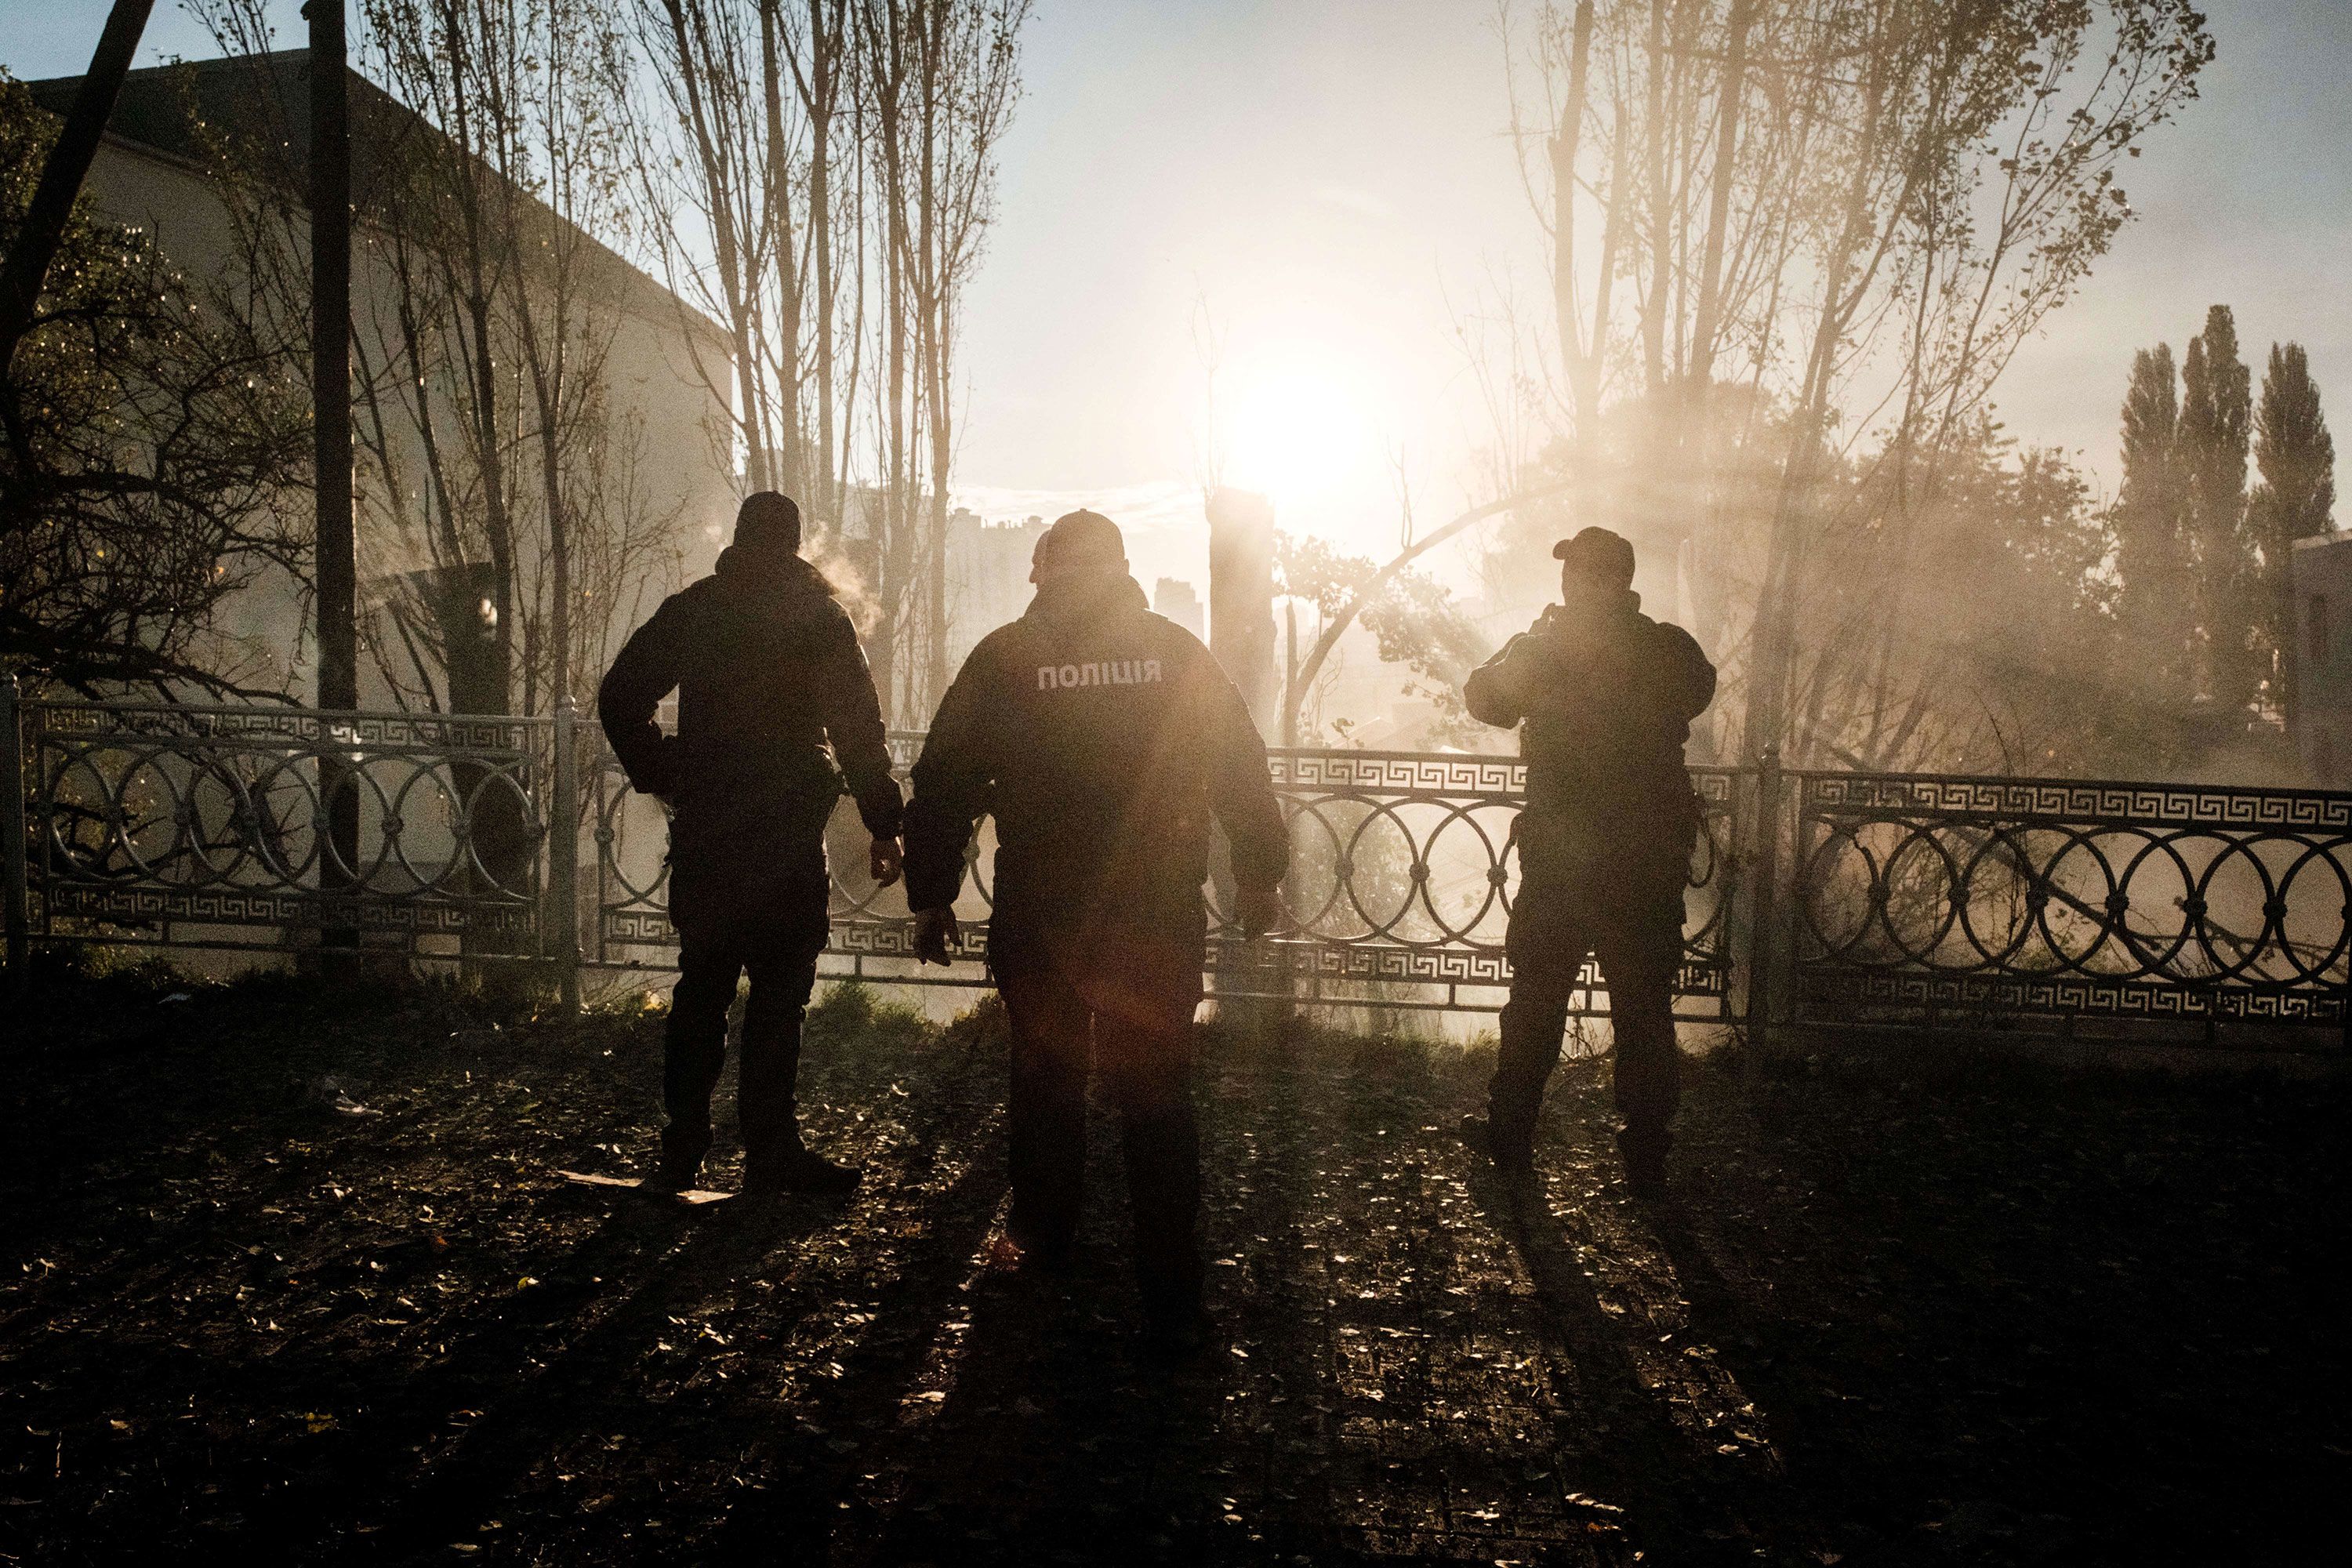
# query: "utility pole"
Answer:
x=334 y=550
x=330 y=354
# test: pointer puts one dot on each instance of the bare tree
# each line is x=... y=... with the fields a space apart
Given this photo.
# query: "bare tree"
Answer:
x=493 y=461
x=944 y=77
x=716 y=194
x=497 y=465
x=820 y=177
x=1865 y=207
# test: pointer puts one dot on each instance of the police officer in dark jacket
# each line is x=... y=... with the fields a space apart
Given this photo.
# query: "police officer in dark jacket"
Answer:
x=1102 y=738
x=1605 y=697
x=768 y=674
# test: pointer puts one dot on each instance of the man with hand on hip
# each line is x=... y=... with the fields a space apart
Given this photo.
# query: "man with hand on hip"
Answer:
x=773 y=692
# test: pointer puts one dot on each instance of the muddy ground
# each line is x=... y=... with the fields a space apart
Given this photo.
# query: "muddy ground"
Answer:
x=288 y=1272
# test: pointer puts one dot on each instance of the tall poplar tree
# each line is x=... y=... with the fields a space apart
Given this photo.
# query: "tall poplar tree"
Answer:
x=2216 y=420
x=2152 y=542
x=2295 y=498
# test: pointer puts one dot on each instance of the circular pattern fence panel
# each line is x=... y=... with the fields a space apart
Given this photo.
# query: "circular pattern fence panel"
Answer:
x=2058 y=895
x=1402 y=875
x=145 y=817
x=170 y=823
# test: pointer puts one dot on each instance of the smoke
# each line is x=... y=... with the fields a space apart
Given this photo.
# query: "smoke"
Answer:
x=823 y=549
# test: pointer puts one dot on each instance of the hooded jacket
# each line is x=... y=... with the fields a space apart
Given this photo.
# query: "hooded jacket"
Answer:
x=773 y=692
x=1604 y=707
x=1102 y=738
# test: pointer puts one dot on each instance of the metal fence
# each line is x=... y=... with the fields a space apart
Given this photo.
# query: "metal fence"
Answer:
x=172 y=824
x=1931 y=895
x=1814 y=896
x=1399 y=889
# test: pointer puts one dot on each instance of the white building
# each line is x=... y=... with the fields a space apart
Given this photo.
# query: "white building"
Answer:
x=2320 y=644
x=661 y=366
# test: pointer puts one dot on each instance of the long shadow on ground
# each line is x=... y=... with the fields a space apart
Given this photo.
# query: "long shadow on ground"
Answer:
x=290 y=1275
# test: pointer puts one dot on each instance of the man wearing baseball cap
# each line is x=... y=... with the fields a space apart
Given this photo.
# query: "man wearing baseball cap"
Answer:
x=1603 y=698
x=1102 y=738
x=775 y=706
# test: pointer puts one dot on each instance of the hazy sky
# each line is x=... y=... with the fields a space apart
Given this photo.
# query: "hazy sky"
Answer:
x=1331 y=176
x=1327 y=183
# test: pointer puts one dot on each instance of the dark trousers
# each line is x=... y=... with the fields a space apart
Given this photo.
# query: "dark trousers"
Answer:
x=1631 y=920
x=1137 y=1021
x=774 y=938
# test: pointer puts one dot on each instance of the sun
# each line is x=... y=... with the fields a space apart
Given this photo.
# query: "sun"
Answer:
x=1296 y=430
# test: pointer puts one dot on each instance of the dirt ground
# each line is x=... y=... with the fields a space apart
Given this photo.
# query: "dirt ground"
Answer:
x=288 y=1272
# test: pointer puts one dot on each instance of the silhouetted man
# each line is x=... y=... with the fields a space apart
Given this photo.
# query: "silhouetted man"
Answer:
x=1605 y=697
x=768 y=672
x=1102 y=737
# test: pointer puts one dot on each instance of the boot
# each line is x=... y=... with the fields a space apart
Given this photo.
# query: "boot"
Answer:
x=1504 y=1141
x=679 y=1170
x=798 y=1169
x=1644 y=1151
x=1035 y=1253
x=1179 y=1331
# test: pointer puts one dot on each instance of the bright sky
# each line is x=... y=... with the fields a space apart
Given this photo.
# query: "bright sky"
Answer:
x=1326 y=183
x=1333 y=179
x=1320 y=185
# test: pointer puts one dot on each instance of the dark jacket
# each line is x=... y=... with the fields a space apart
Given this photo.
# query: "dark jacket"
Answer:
x=1604 y=707
x=768 y=672
x=1101 y=737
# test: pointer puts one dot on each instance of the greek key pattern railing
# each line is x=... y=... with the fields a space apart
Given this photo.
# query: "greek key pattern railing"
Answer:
x=1399 y=892
x=164 y=824
x=1919 y=894
x=1402 y=881
x=1926 y=898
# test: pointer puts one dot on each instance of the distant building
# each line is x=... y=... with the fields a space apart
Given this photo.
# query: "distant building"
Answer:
x=2320 y=644
x=987 y=563
x=987 y=577
x=1174 y=598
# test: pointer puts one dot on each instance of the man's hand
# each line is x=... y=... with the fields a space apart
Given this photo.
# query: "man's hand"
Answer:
x=935 y=933
x=883 y=859
x=1259 y=910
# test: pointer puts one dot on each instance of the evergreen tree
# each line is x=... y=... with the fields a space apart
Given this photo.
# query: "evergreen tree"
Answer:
x=2216 y=420
x=2152 y=545
x=2296 y=496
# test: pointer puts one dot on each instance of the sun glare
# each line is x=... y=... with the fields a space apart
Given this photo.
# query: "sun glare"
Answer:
x=1296 y=430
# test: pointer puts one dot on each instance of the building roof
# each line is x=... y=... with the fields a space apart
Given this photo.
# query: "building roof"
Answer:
x=266 y=100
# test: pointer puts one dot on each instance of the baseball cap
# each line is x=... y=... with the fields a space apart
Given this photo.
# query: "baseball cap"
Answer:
x=1597 y=553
